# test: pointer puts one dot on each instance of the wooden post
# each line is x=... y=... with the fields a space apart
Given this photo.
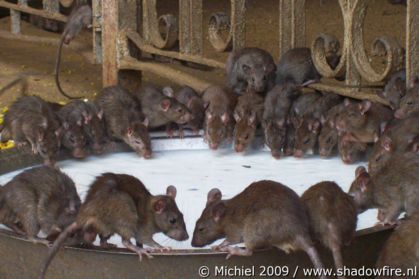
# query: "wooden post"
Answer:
x=109 y=42
x=412 y=39
x=291 y=25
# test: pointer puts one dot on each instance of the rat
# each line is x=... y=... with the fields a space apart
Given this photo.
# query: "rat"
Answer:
x=124 y=119
x=409 y=104
x=79 y=18
x=401 y=248
x=188 y=97
x=396 y=138
x=40 y=198
x=351 y=151
x=266 y=213
x=290 y=140
x=160 y=109
x=393 y=189
x=219 y=103
x=250 y=68
x=394 y=89
x=305 y=136
x=328 y=137
x=31 y=120
x=363 y=122
x=120 y=203
x=74 y=137
x=275 y=115
x=247 y=114
x=94 y=126
x=333 y=217
x=296 y=65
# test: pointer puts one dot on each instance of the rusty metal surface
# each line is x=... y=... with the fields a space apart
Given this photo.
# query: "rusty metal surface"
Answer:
x=21 y=259
x=412 y=37
x=109 y=42
x=291 y=25
x=190 y=27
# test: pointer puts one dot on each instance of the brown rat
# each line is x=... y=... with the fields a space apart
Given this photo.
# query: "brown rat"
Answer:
x=399 y=133
x=94 y=126
x=250 y=68
x=305 y=136
x=160 y=109
x=363 y=122
x=30 y=119
x=187 y=96
x=219 y=102
x=120 y=203
x=279 y=213
x=394 y=89
x=401 y=248
x=290 y=140
x=40 y=198
x=79 y=18
x=409 y=104
x=275 y=114
x=328 y=137
x=351 y=151
x=73 y=137
x=296 y=65
x=333 y=217
x=248 y=115
x=124 y=119
x=393 y=189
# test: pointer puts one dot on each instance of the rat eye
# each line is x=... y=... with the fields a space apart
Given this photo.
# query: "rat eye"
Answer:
x=410 y=103
x=172 y=220
x=138 y=142
x=179 y=110
x=246 y=137
x=253 y=79
x=329 y=140
x=392 y=103
x=351 y=114
x=201 y=229
x=378 y=158
x=306 y=141
x=264 y=77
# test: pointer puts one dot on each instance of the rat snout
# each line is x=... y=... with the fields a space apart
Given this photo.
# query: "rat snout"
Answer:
x=323 y=153
x=178 y=234
x=276 y=154
x=97 y=147
x=298 y=153
x=147 y=154
x=399 y=114
x=213 y=146
x=346 y=159
x=79 y=152
x=49 y=162
x=197 y=243
x=239 y=147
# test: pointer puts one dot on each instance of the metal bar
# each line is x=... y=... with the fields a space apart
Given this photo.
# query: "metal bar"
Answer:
x=190 y=26
x=51 y=6
x=164 y=71
x=109 y=42
x=97 y=30
x=412 y=43
x=24 y=8
x=238 y=24
x=15 y=22
x=291 y=25
x=136 y=38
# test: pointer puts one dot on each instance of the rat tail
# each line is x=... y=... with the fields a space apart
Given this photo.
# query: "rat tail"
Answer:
x=56 y=246
x=57 y=72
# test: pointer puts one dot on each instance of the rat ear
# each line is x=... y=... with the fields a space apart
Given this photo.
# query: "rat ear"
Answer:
x=347 y=102
x=79 y=122
x=168 y=91
x=360 y=170
x=365 y=106
x=100 y=114
x=146 y=122
x=323 y=119
x=209 y=115
x=65 y=125
x=246 y=69
x=386 y=143
x=236 y=117
x=225 y=117
x=314 y=126
x=213 y=195
x=218 y=211
x=297 y=122
x=381 y=94
x=40 y=136
x=165 y=104
x=281 y=122
x=171 y=191
x=159 y=206
x=364 y=179
x=252 y=119
x=129 y=131
x=413 y=81
x=86 y=117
